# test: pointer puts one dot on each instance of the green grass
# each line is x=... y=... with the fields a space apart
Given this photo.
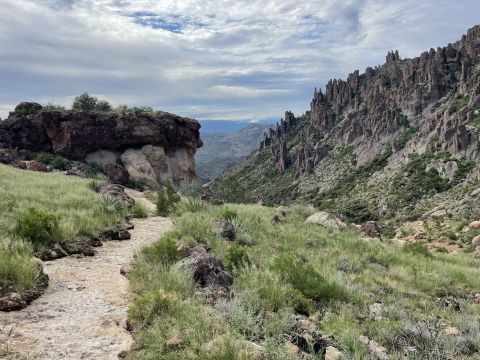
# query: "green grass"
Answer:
x=298 y=268
x=63 y=206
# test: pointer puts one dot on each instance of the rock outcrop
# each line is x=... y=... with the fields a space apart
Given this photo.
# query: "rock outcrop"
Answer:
x=152 y=147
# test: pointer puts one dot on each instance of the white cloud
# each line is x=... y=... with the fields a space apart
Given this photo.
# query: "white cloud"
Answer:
x=226 y=59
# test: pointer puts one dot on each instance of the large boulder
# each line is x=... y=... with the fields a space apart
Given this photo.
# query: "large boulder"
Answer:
x=326 y=220
x=102 y=158
x=139 y=168
x=37 y=166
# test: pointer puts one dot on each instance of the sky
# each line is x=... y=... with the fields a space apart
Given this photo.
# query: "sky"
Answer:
x=209 y=59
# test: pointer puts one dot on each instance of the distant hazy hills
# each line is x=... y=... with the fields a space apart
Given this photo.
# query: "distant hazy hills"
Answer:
x=222 y=150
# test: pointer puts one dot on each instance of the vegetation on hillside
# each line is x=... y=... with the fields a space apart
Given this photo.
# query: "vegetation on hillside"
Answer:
x=291 y=270
x=37 y=210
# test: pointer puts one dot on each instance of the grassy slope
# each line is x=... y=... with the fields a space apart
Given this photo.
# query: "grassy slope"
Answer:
x=332 y=276
x=78 y=208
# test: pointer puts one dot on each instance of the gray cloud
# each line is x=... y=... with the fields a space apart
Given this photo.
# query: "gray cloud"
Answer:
x=211 y=59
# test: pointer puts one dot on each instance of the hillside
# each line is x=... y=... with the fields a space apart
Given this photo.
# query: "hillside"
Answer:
x=396 y=143
x=221 y=151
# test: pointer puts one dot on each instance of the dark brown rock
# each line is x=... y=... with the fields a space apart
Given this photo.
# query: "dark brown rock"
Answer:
x=207 y=270
x=116 y=173
x=37 y=166
x=226 y=229
x=371 y=229
x=116 y=233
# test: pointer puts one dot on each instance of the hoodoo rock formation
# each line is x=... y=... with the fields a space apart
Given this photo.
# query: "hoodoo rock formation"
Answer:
x=147 y=147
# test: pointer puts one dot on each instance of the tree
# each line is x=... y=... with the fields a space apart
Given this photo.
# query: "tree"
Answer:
x=85 y=102
x=103 y=105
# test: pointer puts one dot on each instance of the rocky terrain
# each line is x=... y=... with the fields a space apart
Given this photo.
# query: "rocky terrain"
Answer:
x=142 y=147
x=351 y=151
x=221 y=151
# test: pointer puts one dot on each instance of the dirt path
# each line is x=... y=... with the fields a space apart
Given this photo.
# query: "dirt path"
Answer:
x=82 y=314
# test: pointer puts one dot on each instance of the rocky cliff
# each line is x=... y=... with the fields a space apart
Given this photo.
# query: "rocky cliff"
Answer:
x=363 y=134
x=147 y=147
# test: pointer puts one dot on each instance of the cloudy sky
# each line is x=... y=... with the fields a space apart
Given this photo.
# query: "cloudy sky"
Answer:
x=209 y=59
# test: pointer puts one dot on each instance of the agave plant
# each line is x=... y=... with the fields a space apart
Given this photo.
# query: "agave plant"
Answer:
x=111 y=204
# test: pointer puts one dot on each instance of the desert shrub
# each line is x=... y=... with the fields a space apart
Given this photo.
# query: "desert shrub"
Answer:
x=103 y=105
x=236 y=258
x=164 y=251
x=191 y=205
x=139 y=211
x=18 y=270
x=167 y=198
x=59 y=163
x=45 y=158
x=84 y=102
x=38 y=227
x=229 y=214
x=53 y=107
x=111 y=204
x=441 y=250
x=303 y=277
x=139 y=185
x=300 y=304
x=416 y=248
x=464 y=168
x=156 y=303
x=96 y=184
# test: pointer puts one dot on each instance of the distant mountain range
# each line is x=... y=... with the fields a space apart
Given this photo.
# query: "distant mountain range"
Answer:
x=230 y=126
x=221 y=150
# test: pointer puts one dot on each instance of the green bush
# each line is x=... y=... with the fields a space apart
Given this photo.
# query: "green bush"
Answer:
x=303 y=277
x=156 y=303
x=164 y=251
x=86 y=102
x=139 y=211
x=237 y=258
x=38 y=227
x=59 y=163
x=53 y=107
x=229 y=214
x=416 y=248
x=167 y=198
x=45 y=158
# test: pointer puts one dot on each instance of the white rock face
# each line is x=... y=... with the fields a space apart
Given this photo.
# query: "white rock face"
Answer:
x=138 y=167
x=101 y=158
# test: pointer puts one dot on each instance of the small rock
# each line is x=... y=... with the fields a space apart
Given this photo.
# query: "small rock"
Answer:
x=332 y=353
x=173 y=342
x=450 y=330
x=371 y=229
x=477 y=298
x=474 y=225
x=377 y=310
x=116 y=233
x=126 y=269
x=226 y=229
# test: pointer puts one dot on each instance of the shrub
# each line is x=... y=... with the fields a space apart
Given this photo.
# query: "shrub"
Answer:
x=38 y=227
x=59 y=163
x=229 y=214
x=167 y=198
x=416 y=248
x=85 y=102
x=139 y=211
x=303 y=277
x=164 y=251
x=53 y=107
x=191 y=205
x=45 y=158
x=236 y=258
x=103 y=105
x=139 y=185
x=157 y=303
x=111 y=204
x=18 y=270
